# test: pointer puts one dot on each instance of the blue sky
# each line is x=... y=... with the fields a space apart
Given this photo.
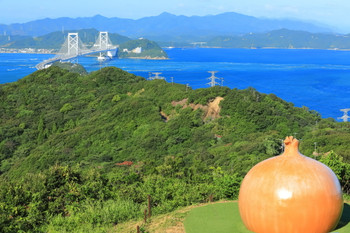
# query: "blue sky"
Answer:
x=332 y=12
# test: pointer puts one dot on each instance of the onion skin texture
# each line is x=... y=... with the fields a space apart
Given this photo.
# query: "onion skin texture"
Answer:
x=290 y=193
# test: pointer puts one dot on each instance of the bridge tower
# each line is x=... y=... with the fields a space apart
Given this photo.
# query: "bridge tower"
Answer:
x=103 y=43
x=73 y=44
x=103 y=40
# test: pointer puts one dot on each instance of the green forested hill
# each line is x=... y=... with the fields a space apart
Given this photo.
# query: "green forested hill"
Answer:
x=81 y=153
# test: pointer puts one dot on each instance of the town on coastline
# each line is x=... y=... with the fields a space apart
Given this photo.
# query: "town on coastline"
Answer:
x=28 y=50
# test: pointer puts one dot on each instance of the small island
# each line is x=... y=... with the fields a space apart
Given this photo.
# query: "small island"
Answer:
x=141 y=49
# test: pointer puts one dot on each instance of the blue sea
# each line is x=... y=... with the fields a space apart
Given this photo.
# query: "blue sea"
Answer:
x=317 y=79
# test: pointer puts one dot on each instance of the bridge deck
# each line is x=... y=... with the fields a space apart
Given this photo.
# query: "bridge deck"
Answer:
x=46 y=63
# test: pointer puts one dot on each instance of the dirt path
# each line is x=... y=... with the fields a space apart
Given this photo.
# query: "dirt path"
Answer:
x=165 y=223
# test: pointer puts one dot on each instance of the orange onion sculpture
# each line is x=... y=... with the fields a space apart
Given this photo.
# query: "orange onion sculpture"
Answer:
x=290 y=193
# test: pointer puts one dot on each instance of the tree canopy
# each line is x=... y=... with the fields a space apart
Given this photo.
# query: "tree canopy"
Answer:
x=82 y=152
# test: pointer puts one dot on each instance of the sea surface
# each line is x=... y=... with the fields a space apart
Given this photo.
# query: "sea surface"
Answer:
x=317 y=79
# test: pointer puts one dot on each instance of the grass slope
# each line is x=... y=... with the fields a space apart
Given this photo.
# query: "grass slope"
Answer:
x=218 y=217
x=225 y=218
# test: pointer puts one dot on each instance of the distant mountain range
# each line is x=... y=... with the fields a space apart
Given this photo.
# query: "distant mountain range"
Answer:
x=229 y=30
x=282 y=38
x=164 y=27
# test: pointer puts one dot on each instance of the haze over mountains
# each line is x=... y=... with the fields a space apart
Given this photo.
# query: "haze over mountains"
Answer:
x=165 y=26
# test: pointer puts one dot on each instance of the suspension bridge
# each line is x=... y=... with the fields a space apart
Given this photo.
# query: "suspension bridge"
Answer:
x=73 y=48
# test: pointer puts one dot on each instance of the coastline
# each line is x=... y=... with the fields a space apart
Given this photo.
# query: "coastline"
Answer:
x=28 y=50
x=54 y=51
x=146 y=58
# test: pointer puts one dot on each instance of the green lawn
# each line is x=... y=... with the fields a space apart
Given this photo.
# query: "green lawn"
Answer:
x=225 y=218
x=215 y=218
